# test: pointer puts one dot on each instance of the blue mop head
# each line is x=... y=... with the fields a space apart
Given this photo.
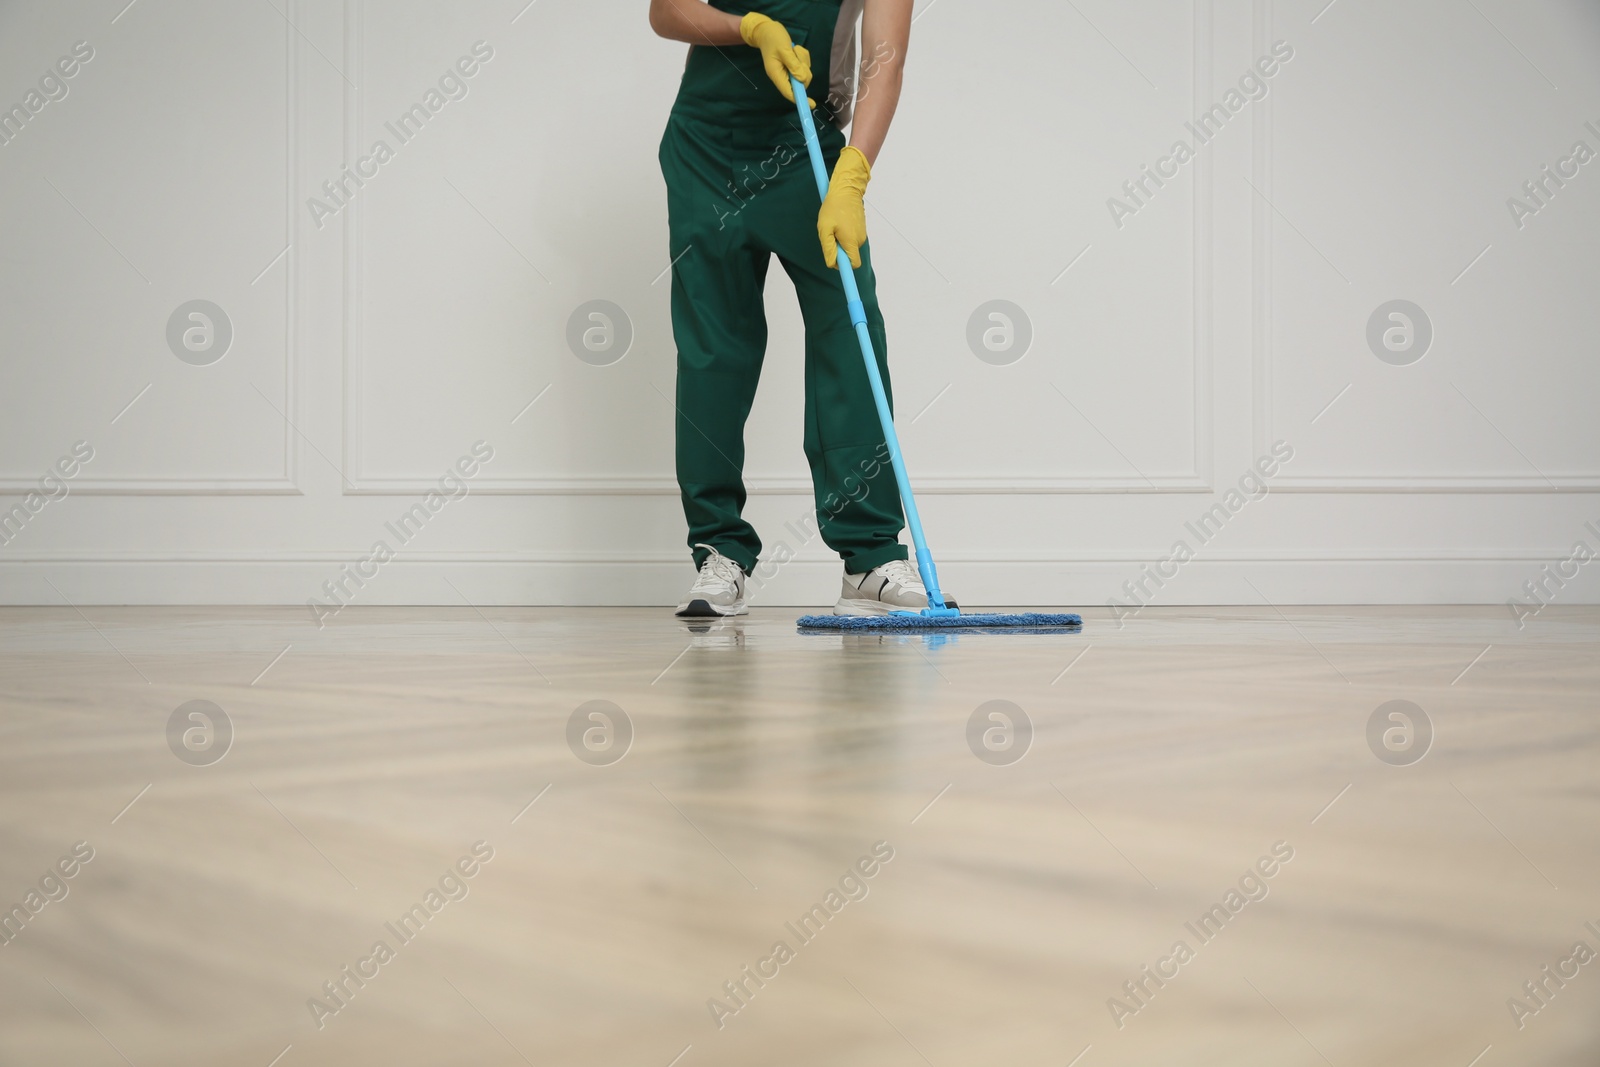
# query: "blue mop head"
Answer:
x=1033 y=622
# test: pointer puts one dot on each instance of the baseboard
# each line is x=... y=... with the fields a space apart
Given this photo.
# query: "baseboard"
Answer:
x=644 y=582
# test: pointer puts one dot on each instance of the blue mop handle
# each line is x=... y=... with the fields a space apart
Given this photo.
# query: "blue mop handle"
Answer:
x=858 y=318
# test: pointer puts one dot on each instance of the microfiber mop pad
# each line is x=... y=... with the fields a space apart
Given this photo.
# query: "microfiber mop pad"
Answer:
x=1034 y=621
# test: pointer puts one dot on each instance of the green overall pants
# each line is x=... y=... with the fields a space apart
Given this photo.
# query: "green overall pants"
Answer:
x=740 y=189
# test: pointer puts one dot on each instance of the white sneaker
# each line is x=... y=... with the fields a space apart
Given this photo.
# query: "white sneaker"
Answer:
x=717 y=590
x=895 y=586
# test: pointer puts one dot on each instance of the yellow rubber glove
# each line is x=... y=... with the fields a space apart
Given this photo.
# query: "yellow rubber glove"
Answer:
x=779 y=54
x=842 y=222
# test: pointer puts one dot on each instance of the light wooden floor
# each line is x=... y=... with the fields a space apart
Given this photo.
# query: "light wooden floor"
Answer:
x=1168 y=757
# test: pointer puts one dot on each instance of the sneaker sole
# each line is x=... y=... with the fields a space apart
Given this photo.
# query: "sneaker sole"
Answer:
x=704 y=609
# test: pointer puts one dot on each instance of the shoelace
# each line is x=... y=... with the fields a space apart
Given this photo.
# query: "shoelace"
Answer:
x=901 y=573
x=717 y=569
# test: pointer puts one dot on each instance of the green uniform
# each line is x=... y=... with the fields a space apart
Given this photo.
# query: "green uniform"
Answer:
x=740 y=189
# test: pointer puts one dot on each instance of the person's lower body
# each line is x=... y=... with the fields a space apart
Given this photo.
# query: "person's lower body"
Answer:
x=735 y=199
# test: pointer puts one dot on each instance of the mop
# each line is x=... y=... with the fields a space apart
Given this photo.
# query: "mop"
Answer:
x=941 y=613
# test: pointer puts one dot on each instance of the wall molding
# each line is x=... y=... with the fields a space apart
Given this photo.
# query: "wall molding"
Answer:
x=647 y=485
x=1199 y=479
x=164 y=486
x=1264 y=405
x=287 y=483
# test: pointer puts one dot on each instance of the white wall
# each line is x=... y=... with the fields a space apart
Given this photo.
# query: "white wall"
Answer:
x=1226 y=314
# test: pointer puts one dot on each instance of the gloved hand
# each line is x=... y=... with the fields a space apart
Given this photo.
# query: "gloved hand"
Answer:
x=842 y=222
x=779 y=54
